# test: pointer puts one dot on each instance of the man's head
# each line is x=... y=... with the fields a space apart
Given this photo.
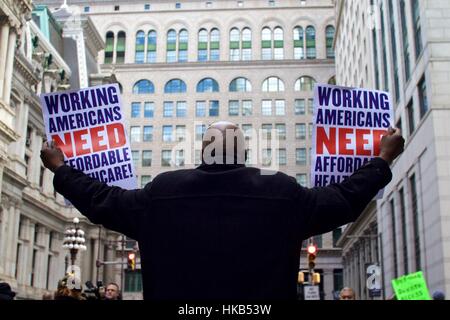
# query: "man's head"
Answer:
x=223 y=143
x=438 y=295
x=112 y=291
x=347 y=294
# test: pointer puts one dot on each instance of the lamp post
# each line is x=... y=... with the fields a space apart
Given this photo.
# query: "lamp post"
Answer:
x=74 y=240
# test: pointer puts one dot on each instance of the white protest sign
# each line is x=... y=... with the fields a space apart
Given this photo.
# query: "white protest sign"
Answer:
x=88 y=125
x=312 y=293
x=348 y=126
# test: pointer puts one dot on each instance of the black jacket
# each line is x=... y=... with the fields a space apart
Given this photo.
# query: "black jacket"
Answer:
x=222 y=232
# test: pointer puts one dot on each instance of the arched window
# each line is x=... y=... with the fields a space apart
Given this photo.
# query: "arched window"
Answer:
x=183 y=39
x=266 y=44
x=304 y=83
x=273 y=84
x=175 y=86
x=143 y=86
x=151 y=46
x=329 y=33
x=214 y=45
x=109 y=49
x=120 y=49
x=332 y=80
x=171 y=46
x=140 y=47
x=299 y=36
x=246 y=44
x=278 y=44
x=203 y=45
x=240 y=85
x=235 y=44
x=208 y=85
x=310 y=42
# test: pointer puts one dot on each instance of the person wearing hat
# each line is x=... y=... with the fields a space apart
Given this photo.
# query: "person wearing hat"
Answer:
x=438 y=295
x=5 y=292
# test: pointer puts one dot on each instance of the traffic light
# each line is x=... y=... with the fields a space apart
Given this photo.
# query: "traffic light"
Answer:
x=312 y=252
x=316 y=278
x=301 y=278
x=131 y=261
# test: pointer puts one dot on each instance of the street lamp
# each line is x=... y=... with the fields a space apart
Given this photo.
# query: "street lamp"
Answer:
x=74 y=240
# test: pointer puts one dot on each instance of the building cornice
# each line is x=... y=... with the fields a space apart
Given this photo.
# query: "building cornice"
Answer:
x=92 y=37
x=263 y=64
x=22 y=65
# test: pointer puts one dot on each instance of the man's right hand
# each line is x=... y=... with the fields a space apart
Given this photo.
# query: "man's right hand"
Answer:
x=392 y=145
x=51 y=156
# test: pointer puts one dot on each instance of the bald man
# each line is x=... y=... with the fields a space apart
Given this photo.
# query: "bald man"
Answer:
x=222 y=230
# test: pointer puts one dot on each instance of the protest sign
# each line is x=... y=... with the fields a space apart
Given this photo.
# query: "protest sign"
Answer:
x=348 y=126
x=88 y=126
x=411 y=287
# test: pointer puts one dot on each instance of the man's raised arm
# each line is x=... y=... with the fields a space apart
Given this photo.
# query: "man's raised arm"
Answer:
x=113 y=207
x=331 y=207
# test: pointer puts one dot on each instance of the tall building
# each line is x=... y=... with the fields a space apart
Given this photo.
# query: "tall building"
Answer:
x=184 y=65
x=37 y=57
x=402 y=47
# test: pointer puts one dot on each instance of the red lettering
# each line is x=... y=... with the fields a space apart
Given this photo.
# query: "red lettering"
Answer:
x=120 y=141
x=324 y=140
x=79 y=142
x=344 y=141
x=377 y=135
x=96 y=139
x=66 y=145
x=361 y=142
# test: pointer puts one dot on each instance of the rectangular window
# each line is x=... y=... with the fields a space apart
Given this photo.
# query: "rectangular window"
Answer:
x=179 y=158
x=247 y=130
x=300 y=157
x=280 y=108
x=233 y=108
x=266 y=131
x=149 y=108
x=404 y=234
x=310 y=106
x=394 y=237
x=410 y=112
x=171 y=56
x=168 y=109
x=281 y=157
x=281 y=131
x=133 y=281
x=247 y=108
x=166 y=158
x=87 y=9
x=181 y=109
x=200 y=109
x=180 y=133
x=148 y=133
x=417 y=27
x=301 y=179
x=299 y=107
x=266 y=53
x=415 y=217
x=33 y=268
x=278 y=53
x=146 y=158
x=198 y=157
x=406 y=57
x=300 y=131
x=266 y=108
x=214 y=108
x=146 y=6
x=167 y=134
x=266 y=157
x=135 y=157
x=246 y=54
x=145 y=180
x=135 y=134
x=336 y=236
x=310 y=130
x=234 y=54
x=199 y=131
x=423 y=97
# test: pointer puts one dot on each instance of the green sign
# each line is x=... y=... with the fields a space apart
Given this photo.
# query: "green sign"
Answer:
x=411 y=287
